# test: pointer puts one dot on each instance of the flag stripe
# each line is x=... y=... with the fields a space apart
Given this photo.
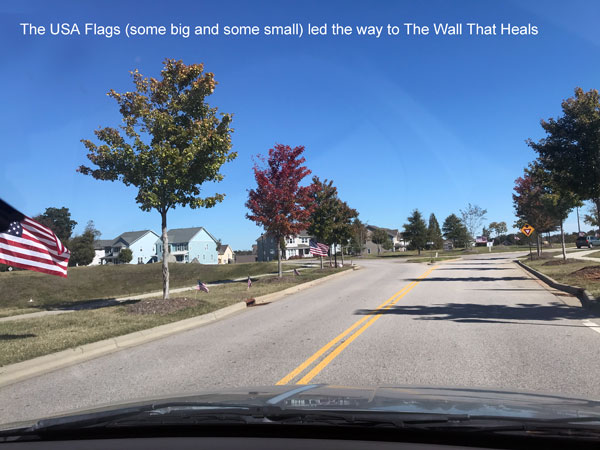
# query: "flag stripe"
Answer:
x=27 y=248
x=6 y=250
x=23 y=263
x=27 y=244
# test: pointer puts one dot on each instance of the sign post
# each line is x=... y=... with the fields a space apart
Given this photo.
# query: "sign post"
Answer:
x=527 y=230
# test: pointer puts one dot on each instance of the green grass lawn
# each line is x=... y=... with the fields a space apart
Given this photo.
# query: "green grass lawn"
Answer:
x=104 y=282
x=449 y=253
x=594 y=255
x=29 y=338
x=565 y=273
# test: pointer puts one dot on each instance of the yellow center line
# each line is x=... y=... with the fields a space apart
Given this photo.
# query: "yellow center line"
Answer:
x=394 y=298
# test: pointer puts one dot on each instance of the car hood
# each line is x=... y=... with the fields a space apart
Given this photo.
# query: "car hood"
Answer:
x=390 y=399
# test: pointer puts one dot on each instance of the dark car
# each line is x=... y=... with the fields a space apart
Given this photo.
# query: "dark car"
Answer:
x=587 y=241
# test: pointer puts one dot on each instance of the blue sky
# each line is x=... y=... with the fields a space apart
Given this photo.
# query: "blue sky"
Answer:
x=398 y=122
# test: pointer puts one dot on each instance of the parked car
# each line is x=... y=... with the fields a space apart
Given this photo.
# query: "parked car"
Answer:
x=587 y=241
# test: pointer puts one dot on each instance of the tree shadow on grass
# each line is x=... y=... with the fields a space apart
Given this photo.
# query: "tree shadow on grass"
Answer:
x=477 y=313
x=474 y=268
x=12 y=337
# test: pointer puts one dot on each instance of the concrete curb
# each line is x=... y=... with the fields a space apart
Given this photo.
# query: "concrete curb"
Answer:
x=14 y=373
x=587 y=300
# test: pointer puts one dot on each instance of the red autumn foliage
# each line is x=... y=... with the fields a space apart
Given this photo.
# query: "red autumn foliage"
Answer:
x=279 y=203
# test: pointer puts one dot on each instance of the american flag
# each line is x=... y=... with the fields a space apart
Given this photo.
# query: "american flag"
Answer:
x=318 y=249
x=27 y=244
x=201 y=286
x=249 y=282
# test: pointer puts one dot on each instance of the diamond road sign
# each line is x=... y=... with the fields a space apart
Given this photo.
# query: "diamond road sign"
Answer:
x=527 y=230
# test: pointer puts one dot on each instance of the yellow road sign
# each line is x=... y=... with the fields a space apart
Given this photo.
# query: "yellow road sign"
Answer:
x=527 y=230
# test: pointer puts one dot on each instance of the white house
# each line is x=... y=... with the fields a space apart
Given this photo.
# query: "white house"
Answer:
x=99 y=249
x=297 y=246
x=141 y=243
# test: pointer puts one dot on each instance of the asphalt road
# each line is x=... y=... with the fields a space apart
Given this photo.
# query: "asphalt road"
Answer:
x=477 y=322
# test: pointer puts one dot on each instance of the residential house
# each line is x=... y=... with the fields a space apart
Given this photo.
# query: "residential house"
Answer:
x=141 y=243
x=99 y=249
x=297 y=246
x=397 y=238
x=190 y=245
x=226 y=255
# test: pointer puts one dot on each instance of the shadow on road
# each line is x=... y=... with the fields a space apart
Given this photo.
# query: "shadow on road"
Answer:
x=422 y=280
x=476 y=313
x=475 y=268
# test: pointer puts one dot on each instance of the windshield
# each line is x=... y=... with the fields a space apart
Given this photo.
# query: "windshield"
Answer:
x=252 y=198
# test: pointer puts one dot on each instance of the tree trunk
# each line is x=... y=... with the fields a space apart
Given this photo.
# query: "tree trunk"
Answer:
x=279 y=271
x=562 y=241
x=329 y=252
x=539 y=245
x=597 y=202
x=342 y=256
x=321 y=256
x=335 y=254
x=165 y=255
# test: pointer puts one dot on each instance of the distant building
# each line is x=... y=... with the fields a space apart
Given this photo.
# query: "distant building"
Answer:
x=397 y=238
x=226 y=254
x=189 y=245
x=141 y=243
x=99 y=249
x=296 y=247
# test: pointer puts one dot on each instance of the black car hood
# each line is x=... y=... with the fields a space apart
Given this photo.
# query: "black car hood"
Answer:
x=401 y=399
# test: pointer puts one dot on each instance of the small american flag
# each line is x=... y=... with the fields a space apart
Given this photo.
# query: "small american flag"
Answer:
x=201 y=286
x=296 y=272
x=27 y=244
x=318 y=249
x=249 y=282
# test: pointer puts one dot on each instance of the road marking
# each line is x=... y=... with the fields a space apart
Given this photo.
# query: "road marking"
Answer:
x=389 y=302
x=594 y=326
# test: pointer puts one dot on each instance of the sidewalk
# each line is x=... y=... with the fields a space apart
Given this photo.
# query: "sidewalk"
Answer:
x=115 y=301
x=582 y=255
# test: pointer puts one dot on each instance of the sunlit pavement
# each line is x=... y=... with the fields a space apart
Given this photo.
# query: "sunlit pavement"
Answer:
x=476 y=322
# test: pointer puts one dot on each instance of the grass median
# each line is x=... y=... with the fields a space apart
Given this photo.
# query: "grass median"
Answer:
x=574 y=272
x=28 y=338
x=25 y=291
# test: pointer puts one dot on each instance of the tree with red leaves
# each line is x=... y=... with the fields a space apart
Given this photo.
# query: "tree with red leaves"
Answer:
x=279 y=203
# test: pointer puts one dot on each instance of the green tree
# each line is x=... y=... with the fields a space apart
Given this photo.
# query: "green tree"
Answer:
x=59 y=221
x=170 y=143
x=498 y=228
x=359 y=236
x=472 y=217
x=125 y=256
x=82 y=247
x=416 y=231
x=342 y=225
x=324 y=197
x=380 y=237
x=570 y=151
x=434 y=234
x=455 y=230
x=532 y=205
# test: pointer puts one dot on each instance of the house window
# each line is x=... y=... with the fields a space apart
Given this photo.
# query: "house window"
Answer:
x=140 y=260
x=290 y=240
x=304 y=240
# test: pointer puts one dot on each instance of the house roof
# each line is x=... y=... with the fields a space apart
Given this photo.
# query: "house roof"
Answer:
x=390 y=231
x=129 y=237
x=99 y=244
x=222 y=248
x=181 y=235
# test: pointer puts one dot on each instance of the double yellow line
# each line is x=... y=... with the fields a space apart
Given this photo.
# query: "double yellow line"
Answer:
x=370 y=319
